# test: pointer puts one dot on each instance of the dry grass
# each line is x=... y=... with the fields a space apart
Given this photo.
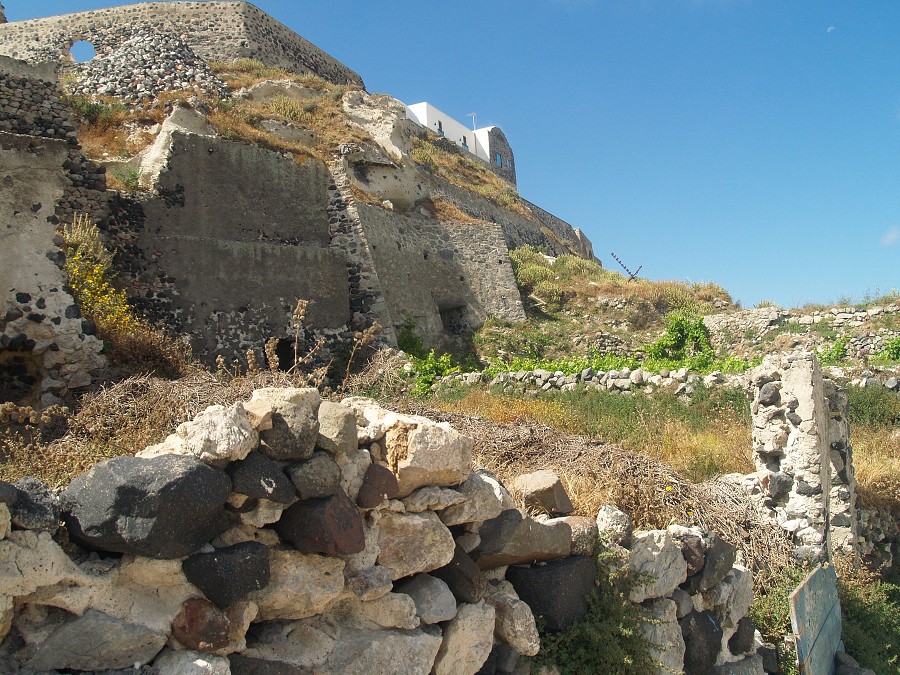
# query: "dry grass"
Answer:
x=651 y=491
x=448 y=212
x=698 y=451
x=247 y=72
x=123 y=419
x=876 y=458
x=468 y=173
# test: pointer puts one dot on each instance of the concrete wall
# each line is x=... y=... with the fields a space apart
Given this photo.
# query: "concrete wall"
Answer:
x=235 y=235
x=214 y=30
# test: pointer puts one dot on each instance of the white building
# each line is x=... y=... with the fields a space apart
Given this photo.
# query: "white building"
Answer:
x=488 y=143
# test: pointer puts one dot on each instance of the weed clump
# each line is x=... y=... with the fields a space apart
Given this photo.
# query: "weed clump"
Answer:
x=611 y=638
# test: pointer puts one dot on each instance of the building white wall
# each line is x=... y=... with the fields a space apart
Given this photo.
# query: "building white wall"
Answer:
x=429 y=116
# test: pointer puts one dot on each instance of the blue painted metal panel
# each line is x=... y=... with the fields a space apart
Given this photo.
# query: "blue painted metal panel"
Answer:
x=816 y=620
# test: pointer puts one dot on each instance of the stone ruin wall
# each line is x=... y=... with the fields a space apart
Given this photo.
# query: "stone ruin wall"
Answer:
x=339 y=538
x=46 y=350
x=214 y=30
x=802 y=449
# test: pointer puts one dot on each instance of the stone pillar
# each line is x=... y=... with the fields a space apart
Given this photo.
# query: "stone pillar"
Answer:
x=844 y=526
x=791 y=433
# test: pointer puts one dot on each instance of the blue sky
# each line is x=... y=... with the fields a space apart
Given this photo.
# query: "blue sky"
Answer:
x=754 y=143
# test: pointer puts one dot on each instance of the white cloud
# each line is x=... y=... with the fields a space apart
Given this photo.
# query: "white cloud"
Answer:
x=831 y=29
x=891 y=237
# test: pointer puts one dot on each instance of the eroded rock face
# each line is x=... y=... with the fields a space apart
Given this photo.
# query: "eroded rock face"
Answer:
x=161 y=507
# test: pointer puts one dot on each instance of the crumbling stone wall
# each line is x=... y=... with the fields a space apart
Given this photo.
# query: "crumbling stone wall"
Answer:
x=46 y=351
x=286 y=533
x=803 y=454
x=214 y=30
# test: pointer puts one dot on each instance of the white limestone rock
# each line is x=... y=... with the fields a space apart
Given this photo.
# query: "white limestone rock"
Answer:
x=300 y=586
x=514 y=622
x=413 y=542
x=655 y=554
x=433 y=599
x=481 y=502
x=468 y=640
x=217 y=435
x=419 y=451
x=337 y=428
x=383 y=652
x=432 y=498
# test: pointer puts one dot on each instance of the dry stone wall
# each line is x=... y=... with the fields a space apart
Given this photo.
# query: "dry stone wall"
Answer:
x=214 y=30
x=291 y=534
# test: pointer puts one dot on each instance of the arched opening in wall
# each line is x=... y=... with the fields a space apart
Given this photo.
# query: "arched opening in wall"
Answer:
x=284 y=350
x=82 y=51
x=455 y=319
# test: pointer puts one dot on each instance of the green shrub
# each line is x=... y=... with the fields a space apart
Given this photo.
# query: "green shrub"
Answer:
x=871 y=623
x=408 y=339
x=873 y=406
x=611 y=637
x=891 y=350
x=834 y=353
x=429 y=369
x=684 y=337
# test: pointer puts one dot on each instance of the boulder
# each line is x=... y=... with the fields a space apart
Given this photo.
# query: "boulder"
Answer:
x=35 y=506
x=663 y=632
x=295 y=424
x=244 y=532
x=742 y=641
x=544 y=491
x=413 y=542
x=300 y=585
x=331 y=525
x=657 y=558
x=384 y=652
x=730 y=599
x=419 y=451
x=720 y=556
x=161 y=507
x=693 y=548
x=378 y=484
x=5 y=520
x=9 y=493
x=481 y=502
x=468 y=639
x=255 y=512
x=494 y=534
x=464 y=578
x=532 y=541
x=259 y=477
x=187 y=662
x=369 y=583
x=30 y=560
x=432 y=498
x=354 y=466
x=337 y=428
x=557 y=591
x=201 y=626
x=392 y=610
x=614 y=525
x=241 y=664
x=703 y=640
x=432 y=597
x=316 y=477
x=228 y=574
x=584 y=534
x=514 y=623
x=96 y=641
x=217 y=435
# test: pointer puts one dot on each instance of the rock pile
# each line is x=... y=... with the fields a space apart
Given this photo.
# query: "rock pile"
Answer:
x=143 y=66
x=291 y=534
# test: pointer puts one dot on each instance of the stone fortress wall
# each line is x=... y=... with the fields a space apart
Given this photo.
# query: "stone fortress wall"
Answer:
x=214 y=30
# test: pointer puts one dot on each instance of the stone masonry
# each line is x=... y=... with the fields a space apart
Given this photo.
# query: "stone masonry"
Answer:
x=803 y=455
x=221 y=31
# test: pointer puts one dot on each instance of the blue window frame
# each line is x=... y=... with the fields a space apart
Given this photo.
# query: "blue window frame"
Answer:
x=499 y=159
